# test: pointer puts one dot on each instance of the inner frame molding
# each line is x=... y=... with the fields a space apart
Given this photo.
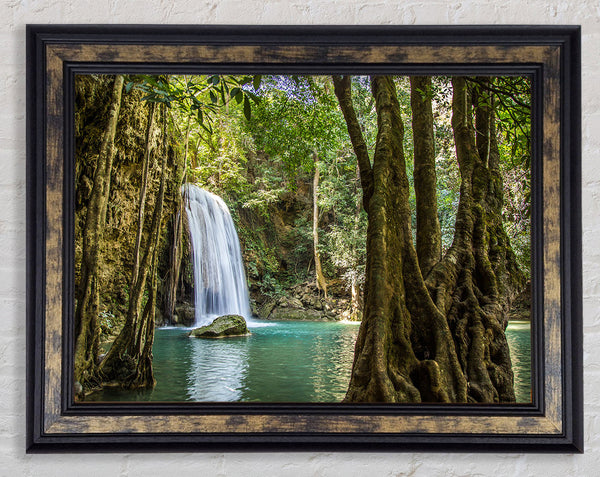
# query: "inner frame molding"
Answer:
x=553 y=422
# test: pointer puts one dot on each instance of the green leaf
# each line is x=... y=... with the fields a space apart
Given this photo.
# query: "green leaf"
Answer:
x=128 y=86
x=150 y=80
x=207 y=128
x=256 y=82
x=253 y=97
x=247 y=108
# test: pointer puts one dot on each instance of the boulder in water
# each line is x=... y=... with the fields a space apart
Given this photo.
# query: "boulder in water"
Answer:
x=223 y=327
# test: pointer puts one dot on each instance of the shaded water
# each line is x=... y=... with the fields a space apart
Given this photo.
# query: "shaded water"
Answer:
x=279 y=362
x=219 y=278
x=518 y=335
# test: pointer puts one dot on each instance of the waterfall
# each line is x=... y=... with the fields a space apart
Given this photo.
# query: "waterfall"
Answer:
x=219 y=280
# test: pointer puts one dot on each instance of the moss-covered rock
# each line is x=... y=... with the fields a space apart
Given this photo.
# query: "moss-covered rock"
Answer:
x=299 y=314
x=520 y=309
x=265 y=309
x=223 y=327
x=303 y=302
x=185 y=315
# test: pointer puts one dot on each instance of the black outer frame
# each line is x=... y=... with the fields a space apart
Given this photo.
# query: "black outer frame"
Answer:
x=572 y=438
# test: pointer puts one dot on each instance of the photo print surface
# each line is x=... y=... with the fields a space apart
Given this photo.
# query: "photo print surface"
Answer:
x=296 y=238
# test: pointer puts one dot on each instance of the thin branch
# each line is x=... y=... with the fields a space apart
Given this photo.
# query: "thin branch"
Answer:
x=500 y=91
x=343 y=91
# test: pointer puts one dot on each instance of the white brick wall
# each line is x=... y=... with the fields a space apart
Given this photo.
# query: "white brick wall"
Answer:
x=14 y=14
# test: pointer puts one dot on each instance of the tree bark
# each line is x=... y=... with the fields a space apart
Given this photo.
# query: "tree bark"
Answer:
x=355 y=300
x=175 y=258
x=321 y=282
x=429 y=235
x=440 y=339
x=144 y=375
x=87 y=309
x=125 y=362
x=176 y=250
x=142 y=199
x=343 y=90
x=471 y=283
x=388 y=365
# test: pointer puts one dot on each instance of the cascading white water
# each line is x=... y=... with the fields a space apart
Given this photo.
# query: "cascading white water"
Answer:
x=219 y=279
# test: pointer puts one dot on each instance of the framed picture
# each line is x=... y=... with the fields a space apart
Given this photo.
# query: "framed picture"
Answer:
x=292 y=238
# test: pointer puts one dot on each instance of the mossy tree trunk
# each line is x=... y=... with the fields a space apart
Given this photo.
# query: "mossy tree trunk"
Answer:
x=142 y=197
x=429 y=234
x=144 y=374
x=175 y=257
x=129 y=359
x=479 y=275
x=87 y=309
x=355 y=296
x=439 y=339
x=343 y=90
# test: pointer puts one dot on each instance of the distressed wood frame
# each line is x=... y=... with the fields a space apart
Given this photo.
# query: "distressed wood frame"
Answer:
x=553 y=422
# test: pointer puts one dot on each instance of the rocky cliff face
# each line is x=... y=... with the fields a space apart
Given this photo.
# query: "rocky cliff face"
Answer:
x=303 y=302
x=117 y=244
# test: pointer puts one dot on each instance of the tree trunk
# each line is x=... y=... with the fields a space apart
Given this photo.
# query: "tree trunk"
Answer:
x=469 y=284
x=176 y=250
x=126 y=338
x=321 y=282
x=355 y=300
x=429 y=235
x=390 y=365
x=439 y=340
x=144 y=375
x=142 y=199
x=343 y=90
x=175 y=264
x=125 y=362
x=86 y=313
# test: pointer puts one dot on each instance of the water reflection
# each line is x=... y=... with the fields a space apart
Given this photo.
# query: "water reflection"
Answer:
x=217 y=369
x=285 y=362
x=518 y=335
